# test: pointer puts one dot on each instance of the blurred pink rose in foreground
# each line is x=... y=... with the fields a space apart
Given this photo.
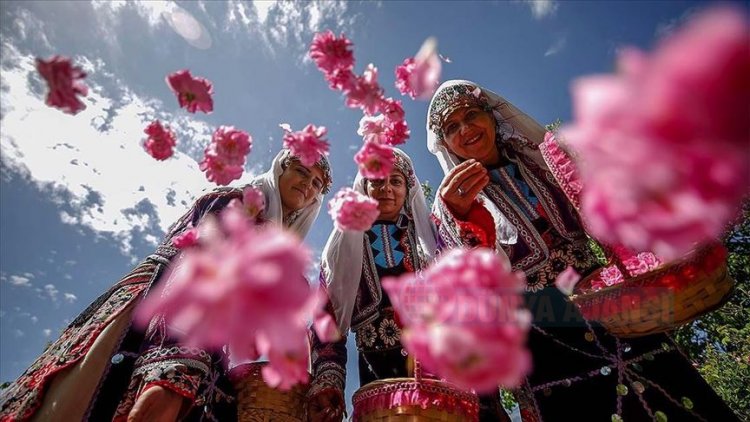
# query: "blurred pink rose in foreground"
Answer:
x=193 y=93
x=253 y=201
x=419 y=77
x=463 y=318
x=242 y=288
x=186 y=239
x=307 y=144
x=375 y=160
x=160 y=141
x=64 y=82
x=665 y=144
x=566 y=281
x=351 y=210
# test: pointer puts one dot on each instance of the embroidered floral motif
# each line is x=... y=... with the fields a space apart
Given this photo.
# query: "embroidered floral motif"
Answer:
x=366 y=336
x=389 y=332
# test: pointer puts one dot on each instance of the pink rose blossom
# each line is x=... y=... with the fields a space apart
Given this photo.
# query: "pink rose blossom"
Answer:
x=392 y=109
x=186 y=239
x=463 y=319
x=351 y=210
x=375 y=160
x=330 y=53
x=342 y=80
x=307 y=144
x=566 y=281
x=611 y=276
x=419 y=77
x=192 y=93
x=231 y=145
x=366 y=93
x=325 y=327
x=641 y=263
x=65 y=83
x=663 y=145
x=397 y=133
x=243 y=289
x=218 y=171
x=372 y=128
x=253 y=201
x=160 y=141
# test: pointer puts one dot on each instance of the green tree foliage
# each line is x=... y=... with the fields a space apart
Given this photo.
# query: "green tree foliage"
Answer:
x=429 y=195
x=719 y=343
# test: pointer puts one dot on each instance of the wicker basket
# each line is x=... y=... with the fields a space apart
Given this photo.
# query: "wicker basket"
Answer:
x=660 y=300
x=415 y=399
x=257 y=402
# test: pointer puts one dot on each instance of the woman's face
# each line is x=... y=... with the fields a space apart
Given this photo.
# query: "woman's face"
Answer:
x=470 y=133
x=390 y=194
x=299 y=185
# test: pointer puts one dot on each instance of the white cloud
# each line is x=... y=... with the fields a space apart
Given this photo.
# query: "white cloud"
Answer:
x=557 y=46
x=18 y=333
x=542 y=8
x=34 y=319
x=70 y=297
x=47 y=332
x=93 y=164
x=288 y=24
x=51 y=291
x=18 y=280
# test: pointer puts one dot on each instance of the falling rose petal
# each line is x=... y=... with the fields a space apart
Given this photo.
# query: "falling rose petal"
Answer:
x=231 y=145
x=308 y=144
x=567 y=280
x=372 y=128
x=353 y=211
x=286 y=127
x=160 y=142
x=65 y=83
x=375 y=160
x=419 y=77
x=445 y=58
x=193 y=93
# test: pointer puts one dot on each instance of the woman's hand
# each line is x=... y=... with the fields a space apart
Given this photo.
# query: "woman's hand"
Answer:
x=157 y=404
x=462 y=185
x=326 y=406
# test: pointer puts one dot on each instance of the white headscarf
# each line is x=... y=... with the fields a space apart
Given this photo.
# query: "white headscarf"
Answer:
x=268 y=182
x=512 y=124
x=343 y=254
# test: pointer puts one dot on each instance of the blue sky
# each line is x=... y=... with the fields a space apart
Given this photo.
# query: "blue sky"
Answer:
x=81 y=202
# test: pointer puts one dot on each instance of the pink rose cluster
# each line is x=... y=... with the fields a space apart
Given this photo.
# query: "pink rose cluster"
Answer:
x=664 y=143
x=384 y=122
x=353 y=211
x=65 y=83
x=419 y=76
x=160 y=142
x=464 y=320
x=230 y=292
x=308 y=144
x=635 y=265
x=224 y=158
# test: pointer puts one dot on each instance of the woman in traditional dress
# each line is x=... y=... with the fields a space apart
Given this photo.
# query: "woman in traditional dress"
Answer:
x=499 y=193
x=102 y=368
x=403 y=239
